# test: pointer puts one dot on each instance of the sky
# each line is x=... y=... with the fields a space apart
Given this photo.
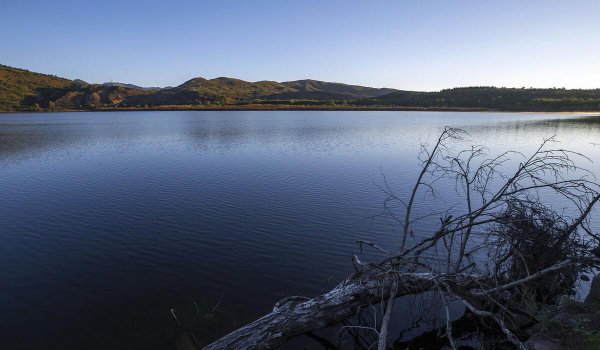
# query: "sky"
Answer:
x=412 y=45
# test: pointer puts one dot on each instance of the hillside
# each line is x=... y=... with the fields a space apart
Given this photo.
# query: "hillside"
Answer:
x=230 y=90
x=20 y=88
x=131 y=86
x=24 y=90
x=321 y=90
x=235 y=89
x=218 y=91
x=509 y=99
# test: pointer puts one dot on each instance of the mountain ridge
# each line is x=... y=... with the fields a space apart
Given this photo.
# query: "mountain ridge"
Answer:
x=22 y=90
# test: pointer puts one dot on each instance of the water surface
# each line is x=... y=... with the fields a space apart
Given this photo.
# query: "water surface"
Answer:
x=109 y=220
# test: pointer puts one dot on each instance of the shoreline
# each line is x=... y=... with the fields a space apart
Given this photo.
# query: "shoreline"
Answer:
x=303 y=108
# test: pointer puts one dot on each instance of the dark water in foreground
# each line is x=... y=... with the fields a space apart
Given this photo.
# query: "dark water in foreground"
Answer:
x=109 y=220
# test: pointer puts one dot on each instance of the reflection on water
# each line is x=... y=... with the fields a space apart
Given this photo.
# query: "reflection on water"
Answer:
x=28 y=135
x=109 y=220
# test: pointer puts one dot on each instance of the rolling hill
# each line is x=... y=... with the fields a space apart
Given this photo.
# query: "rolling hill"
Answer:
x=22 y=90
x=230 y=90
x=19 y=87
x=321 y=90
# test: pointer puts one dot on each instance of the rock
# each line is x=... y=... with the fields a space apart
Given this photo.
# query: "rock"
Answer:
x=594 y=296
x=538 y=342
x=574 y=325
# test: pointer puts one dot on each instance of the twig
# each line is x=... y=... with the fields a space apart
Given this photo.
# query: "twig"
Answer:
x=360 y=242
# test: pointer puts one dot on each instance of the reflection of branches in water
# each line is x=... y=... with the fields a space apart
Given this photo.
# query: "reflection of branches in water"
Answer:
x=501 y=249
x=463 y=328
x=187 y=325
x=417 y=313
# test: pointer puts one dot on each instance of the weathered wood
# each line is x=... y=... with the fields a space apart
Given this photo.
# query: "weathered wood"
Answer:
x=290 y=319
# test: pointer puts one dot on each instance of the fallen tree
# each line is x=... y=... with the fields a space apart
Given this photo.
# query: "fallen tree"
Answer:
x=297 y=315
x=500 y=250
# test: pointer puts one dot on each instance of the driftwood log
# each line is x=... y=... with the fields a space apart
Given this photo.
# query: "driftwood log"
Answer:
x=296 y=315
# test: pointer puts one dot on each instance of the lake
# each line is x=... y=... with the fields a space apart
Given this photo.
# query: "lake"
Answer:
x=110 y=220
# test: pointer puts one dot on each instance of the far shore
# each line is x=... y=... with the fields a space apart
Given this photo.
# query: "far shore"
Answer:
x=300 y=108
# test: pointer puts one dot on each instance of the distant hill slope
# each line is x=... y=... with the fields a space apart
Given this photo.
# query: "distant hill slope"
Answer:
x=200 y=91
x=234 y=89
x=321 y=90
x=20 y=88
x=223 y=90
x=131 y=86
x=24 y=90
x=494 y=98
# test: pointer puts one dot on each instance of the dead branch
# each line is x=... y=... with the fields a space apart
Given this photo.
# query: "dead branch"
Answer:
x=385 y=323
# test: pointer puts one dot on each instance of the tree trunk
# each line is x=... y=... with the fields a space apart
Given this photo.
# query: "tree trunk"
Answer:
x=292 y=317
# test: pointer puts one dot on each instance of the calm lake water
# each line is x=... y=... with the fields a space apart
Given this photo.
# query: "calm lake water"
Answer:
x=110 y=220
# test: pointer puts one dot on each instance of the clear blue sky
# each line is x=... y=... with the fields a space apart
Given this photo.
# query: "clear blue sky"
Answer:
x=418 y=45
